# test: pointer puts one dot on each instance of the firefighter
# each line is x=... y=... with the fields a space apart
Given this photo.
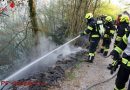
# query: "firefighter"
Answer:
x=94 y=36
x=122 y=28
x=109 y=33
x=124 y=71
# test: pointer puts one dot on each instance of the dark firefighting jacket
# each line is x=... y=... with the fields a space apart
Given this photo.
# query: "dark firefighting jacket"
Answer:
x=109 y=30
x=124 y=47
x=92 y=29
x=121 y=30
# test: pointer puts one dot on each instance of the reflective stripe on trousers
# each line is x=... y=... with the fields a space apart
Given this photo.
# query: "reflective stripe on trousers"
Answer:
x=126 y=62
x=95 y=35
x=118 y=89
x=91 y=54
x=106 y=35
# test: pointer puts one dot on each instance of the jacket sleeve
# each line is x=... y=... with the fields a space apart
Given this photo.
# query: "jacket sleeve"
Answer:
x=123 y=44
x=112 y=30
x=119 y=33
x=89 y=28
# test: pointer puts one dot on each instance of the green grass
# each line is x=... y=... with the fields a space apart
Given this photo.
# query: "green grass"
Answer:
x=71 y=74
x=77 y=66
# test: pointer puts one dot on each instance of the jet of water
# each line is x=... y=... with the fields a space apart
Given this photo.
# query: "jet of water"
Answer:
x=37 y=60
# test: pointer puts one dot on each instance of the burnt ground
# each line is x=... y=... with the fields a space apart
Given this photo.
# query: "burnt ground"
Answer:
x=51 y=77
x=86 y=74
x=72 y=73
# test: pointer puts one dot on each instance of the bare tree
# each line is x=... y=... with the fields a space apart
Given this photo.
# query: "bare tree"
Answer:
x=34 y=20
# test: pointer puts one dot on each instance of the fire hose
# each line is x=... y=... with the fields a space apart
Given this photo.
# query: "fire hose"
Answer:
x=107 y=80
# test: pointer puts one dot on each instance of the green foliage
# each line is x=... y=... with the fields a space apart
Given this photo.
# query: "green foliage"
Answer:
x=72 y=13
x=107 y=9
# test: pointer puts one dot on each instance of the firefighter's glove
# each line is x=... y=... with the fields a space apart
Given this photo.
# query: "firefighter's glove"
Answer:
x=115 y=55
x=114 y=66
x=82 y=34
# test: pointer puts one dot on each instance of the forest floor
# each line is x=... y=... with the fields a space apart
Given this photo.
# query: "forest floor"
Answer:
x=87 y=74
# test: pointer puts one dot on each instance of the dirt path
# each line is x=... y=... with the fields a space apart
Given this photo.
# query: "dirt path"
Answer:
x=87 y=74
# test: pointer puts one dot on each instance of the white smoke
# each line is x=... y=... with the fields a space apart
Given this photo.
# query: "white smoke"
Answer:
x=48 y=56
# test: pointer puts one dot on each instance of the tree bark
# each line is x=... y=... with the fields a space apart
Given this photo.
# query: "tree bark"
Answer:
x=33 y=18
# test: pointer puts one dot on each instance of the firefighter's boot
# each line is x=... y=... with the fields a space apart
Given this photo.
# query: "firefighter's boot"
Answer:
x=90 y=59
x=109 y=66
x=105 y=53
x=101 y=51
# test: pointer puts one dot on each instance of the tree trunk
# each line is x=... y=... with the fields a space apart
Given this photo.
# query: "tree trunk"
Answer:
x=33 y=18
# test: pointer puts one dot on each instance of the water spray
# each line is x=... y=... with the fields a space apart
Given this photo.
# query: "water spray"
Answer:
x=37 y=60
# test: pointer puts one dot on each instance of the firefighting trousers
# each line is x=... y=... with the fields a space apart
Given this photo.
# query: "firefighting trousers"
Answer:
x=106 y=43
x=93 y=45
x=122 y=77
x=116 y=43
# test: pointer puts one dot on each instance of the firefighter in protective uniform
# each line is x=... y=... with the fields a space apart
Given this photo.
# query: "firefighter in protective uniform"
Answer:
x=123 y=50
x=122 y=28
x=124 y=71
x=108 y=35
x=94 y=36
